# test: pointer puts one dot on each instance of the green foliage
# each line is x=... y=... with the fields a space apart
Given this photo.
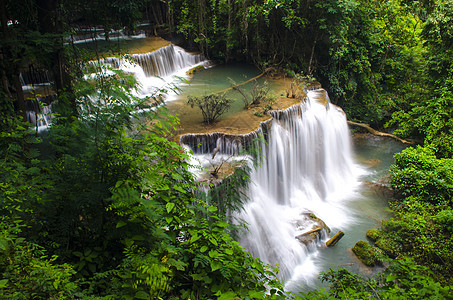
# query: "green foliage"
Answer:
x=401 y=280
x=114 y=207
x=27 y=273
x=373 y=234
x=418 y=173
x=211 y=106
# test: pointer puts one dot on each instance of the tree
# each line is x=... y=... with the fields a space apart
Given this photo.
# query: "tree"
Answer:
x=211 y=106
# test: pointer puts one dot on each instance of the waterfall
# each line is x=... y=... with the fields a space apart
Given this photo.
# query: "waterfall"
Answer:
x=39 y=111
x=153 y=71
x=157 y=69
x=306 y=167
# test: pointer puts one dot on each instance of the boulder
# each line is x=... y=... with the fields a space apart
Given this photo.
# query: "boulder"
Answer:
x=313 y=234
x=367 y=254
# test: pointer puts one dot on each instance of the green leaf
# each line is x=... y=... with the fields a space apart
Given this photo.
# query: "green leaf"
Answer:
x=179 y=189
x=120 y=224
x=390 y=277
x=141 y=295
x=229 y=251
x=78 y=254
x=3 y=244
x=3 y=283
x=203 y=249
x=212 y=208
x=228 y=296
x=138 y=237
x=222 y=224
x=256 y=295
x=215 y=265
x=213 y=240
x=170 y=206
x=213 y=254
x=169 y=219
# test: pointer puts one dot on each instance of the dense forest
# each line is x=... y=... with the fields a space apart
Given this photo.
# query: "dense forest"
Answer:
x=104 y=206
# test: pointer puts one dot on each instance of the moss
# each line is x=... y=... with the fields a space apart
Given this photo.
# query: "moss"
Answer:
x=195 y=70
x=388 y=246
x=373 y=234
x=366 y=253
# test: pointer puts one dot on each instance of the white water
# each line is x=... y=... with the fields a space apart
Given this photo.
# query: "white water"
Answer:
x=160 y=69
x=307 y=166
x=154 y=71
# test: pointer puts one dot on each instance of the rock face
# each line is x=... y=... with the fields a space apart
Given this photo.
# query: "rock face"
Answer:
x=380 y=189
x=315 y=233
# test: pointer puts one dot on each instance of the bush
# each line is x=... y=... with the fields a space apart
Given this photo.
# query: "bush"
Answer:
x=212 y=106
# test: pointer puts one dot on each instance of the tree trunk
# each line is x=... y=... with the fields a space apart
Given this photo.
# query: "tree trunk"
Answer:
x=335 y=239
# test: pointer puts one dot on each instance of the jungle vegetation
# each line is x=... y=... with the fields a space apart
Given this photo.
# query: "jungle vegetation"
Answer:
x=103 y=207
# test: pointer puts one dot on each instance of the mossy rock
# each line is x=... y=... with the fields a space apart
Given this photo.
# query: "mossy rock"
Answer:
x=195 y=70
x=319 y=221
x=388 y=246
x=366 y=253
x=373 y=234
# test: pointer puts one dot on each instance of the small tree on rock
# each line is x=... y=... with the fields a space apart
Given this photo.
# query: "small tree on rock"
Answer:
x=212 y=106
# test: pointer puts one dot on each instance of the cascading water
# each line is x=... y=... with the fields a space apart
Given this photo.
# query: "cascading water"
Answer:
x=158 y=68
x=153 y=71
x=306 y=167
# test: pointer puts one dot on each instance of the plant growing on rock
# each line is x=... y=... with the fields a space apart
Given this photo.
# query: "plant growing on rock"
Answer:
x=212 y=106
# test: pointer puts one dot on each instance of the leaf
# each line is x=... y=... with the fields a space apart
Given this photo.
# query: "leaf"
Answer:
x=179 y=189
x=138 y=237
x=213 y=254
x=229 y=251
x=169 y=206
x=141 y=295
x=194 y=238
x=256 y=295
x=203 y=249
x=390 y=277
x=78 y=254
x=228 y=296
x=213 y=240
x=120 y=224
x=222 y=224
x=169 y=219
x=3 y=283
x=212 y=208
x=3 y=244
x=215 y=265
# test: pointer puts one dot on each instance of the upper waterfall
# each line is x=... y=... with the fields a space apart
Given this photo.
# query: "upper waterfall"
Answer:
x=163 y=62
x=154 y=71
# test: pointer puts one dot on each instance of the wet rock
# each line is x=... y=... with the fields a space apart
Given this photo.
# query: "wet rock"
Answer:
x=315 y=233
x=367 y=254
x=381 y=189
x=195 y=70
x=372 y=162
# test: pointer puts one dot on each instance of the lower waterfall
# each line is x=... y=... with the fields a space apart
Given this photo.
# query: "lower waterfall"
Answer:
x=306 y=167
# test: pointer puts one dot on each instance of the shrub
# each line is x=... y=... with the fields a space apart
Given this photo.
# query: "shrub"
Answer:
x=212 y=106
